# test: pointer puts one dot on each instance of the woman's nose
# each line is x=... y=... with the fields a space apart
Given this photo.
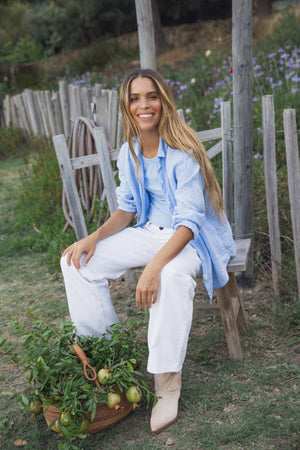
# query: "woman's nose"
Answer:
x=143 y=102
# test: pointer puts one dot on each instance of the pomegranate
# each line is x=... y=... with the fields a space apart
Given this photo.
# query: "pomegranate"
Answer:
x=84 y=426
x=36 y=407
x=104 y=375
x=113 y=400
x=134 y=395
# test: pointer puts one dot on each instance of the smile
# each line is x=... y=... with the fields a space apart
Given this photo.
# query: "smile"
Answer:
x=145 y=116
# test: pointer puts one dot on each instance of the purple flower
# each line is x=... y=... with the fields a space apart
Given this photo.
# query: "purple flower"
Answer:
x=258 y=74
x=257 y=156
x=296 y=79
x=183 y=87
x=271 y=55
x=255 y=99
x=294 y=90
x=218 y=100
x=259 y=130
x=188 y=110
x=257 y=67
x=284 y=55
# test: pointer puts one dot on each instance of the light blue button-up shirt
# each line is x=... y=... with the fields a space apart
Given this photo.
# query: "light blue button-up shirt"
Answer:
x=183 y=187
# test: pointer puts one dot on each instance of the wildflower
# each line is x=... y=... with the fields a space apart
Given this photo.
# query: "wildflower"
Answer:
x=207 y=53
x=188 y=110
x=294 y=90
x=296 y=79
x=255 y=99
x=257 y=156
x=183 y=87
x=259 y=130
x=193 y=81
x=271 y=55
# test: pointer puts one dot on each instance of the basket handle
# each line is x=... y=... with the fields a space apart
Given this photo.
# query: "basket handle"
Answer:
x=89 y=372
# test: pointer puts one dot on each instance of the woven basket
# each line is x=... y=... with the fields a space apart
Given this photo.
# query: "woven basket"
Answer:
x=104 y=418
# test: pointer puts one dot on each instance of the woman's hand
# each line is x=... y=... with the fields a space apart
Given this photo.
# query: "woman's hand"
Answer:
x=117 y=222
x=74 y=251
x=147 y=287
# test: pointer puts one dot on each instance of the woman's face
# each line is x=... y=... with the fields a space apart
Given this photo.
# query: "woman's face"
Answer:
x=145 y=104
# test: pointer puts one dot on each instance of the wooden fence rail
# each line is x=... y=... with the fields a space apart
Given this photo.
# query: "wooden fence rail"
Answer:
x=50 y=114
x=293 y=165
x=268 y=116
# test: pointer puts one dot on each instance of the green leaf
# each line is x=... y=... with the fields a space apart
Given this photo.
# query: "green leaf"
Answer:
x=293 y=340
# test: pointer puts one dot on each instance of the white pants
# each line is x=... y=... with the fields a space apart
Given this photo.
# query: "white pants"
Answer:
x=91 y=308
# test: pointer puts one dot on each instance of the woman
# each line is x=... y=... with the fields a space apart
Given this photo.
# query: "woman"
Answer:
x=167 y=182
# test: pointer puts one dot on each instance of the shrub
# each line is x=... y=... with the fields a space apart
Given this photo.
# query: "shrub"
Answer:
x=14 y=143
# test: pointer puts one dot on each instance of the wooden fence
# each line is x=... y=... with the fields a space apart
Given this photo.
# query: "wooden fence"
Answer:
x=49 y=114
x=293 y=172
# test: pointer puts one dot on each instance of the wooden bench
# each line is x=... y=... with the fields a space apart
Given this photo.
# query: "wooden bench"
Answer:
x=229 y=303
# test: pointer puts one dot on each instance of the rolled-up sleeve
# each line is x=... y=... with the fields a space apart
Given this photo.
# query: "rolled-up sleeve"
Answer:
x=125 y=197
x=189 y=209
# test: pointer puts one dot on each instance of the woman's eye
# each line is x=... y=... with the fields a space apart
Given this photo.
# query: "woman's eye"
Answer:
x=133 y=99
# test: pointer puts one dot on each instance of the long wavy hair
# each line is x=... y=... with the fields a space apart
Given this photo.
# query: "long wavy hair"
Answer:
x=173 y=130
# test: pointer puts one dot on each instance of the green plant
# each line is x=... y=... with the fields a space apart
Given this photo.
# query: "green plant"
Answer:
x=56 y=375
x=14 y=143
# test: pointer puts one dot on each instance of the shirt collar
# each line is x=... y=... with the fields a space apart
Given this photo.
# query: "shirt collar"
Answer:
x=162 y=148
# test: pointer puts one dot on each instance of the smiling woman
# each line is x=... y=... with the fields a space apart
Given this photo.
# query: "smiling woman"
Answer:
x=167 y=181
x=145 y=108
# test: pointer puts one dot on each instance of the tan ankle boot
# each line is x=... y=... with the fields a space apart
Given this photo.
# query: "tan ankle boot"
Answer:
x=165 y=412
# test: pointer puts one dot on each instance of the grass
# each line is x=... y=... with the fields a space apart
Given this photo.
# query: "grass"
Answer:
x=225 y=404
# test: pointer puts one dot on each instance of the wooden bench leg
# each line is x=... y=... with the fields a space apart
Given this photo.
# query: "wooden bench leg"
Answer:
x=233 y=316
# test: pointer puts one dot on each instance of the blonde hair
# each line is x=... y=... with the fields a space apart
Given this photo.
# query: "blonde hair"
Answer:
x=173 y=130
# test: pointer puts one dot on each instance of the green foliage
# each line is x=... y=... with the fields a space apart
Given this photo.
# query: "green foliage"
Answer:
x=23 y=51
x=99 y=54
x=39 y=219
x=14 y=143
x=13 y=21
x=73 y=23
x=56 y=374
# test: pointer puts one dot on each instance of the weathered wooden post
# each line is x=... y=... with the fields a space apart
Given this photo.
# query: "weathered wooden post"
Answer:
x=146 y=33
x=242 y=123
x=293 y=165
x=268 y=116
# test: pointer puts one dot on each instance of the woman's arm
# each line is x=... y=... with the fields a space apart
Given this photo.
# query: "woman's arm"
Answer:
x=148 y=284
x=117 y=222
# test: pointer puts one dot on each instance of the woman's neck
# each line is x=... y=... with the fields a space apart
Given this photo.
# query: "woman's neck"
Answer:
x=150 y=144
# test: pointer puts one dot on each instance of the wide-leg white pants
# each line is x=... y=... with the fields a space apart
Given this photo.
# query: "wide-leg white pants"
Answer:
x=91 y=308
